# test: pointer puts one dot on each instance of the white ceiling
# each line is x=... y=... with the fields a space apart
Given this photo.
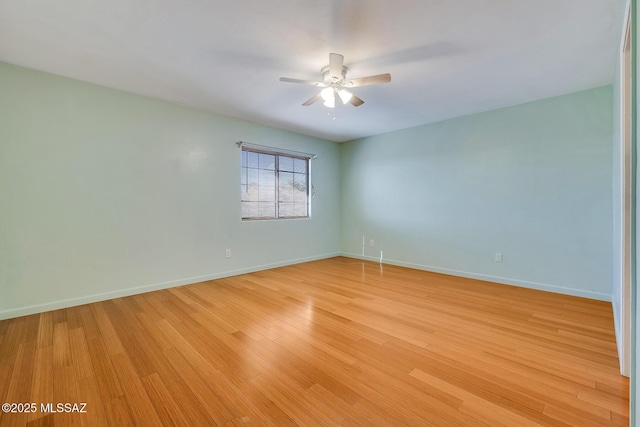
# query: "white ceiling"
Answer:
x=446 y=58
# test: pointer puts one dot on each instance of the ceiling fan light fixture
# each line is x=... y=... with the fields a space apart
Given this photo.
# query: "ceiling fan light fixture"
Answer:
x=328 y=94
x=345 y=95
x=331 y=102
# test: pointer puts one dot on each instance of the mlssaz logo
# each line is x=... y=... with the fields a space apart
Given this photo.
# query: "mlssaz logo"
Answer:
x=63 y=407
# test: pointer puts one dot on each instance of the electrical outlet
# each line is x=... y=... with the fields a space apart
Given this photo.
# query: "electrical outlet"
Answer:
x=371 y=243
x=498 y=257
x=227 y=253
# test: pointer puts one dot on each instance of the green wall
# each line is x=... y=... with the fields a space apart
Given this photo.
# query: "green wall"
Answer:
x=533 y=182
x=105 y=193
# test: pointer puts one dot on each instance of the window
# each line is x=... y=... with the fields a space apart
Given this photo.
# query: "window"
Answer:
x=274 y=185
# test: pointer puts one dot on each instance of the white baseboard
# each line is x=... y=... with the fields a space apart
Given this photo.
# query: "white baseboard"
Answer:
x=496 y=279
x=87 y=299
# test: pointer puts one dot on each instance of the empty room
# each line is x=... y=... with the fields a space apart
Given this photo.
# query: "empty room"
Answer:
x=306 y=212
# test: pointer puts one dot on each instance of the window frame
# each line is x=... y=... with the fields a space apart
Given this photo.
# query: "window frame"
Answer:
x=276 y=171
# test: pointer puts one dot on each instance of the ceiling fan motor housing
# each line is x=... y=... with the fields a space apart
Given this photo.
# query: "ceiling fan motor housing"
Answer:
x=329 y=79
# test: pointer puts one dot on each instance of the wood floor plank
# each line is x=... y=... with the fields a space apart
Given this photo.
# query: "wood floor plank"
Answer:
x=331 y=342
x=189 y=405
x=327 y=370
x=142 y=410
x=210 y=399
x=87 y=384
x=42 y=382
x=108 y=334
x=294 y=402
x=125 y=329
x=166 y=407
x=105 y=375
x=575 y=418
x=142 y=349
x=118 y=412
x=46 y=421
x=10 y=345
x=349 y=415
x=88 y=323
x=65 y=391
x=45 y=330
x=5 y=375
x=19 y=384
x=530 y=414
x=278 y=358
x=223 y=385
x=89 y=394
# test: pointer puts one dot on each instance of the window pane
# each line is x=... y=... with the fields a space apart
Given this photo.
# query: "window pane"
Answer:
x=285 y=179
x=252 y=176
x=251 y=194
x=244 y=159
x=267 y=194
x=299 y=197
x=300 y=182
x=250 y=209
x=252 y=159
x=300 y=165
x=286 y=163
x=267 y=161
x=266 y=177
x=285 y=196
x=285 y=187
x=300 y=209
x=286 y=209
x=267 y=210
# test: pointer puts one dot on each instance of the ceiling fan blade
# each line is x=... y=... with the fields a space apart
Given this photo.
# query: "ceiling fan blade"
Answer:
x=335 y=65
x=371 y=80
x=355 y=101
x=311 y=100
x=304 y=82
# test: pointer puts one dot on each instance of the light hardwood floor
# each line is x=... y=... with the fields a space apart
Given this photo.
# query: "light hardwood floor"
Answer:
x=331 y=342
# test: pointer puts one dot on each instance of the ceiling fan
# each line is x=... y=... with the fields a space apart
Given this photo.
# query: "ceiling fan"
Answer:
x=335 y=82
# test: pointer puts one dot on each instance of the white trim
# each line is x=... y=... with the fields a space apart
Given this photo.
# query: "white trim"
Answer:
x=55 y=305
x=40 y=308
x=601 y=296
x=625 y=23
x=623 y=318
